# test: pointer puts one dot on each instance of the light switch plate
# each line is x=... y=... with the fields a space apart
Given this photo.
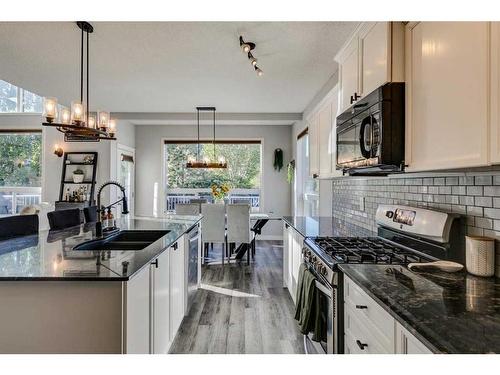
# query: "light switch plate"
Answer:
x=361 y=203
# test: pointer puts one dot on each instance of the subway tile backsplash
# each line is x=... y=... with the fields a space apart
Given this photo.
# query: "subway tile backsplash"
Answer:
x=476 y=197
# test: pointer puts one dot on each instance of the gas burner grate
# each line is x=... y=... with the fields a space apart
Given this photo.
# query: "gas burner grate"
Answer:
x=365 y=250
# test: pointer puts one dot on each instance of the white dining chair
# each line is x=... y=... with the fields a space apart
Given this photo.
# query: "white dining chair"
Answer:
x=187 y=209
x=213 y=225
x=238 y=226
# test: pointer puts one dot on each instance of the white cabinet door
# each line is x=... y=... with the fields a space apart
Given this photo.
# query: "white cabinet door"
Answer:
x=375 y=47
x=495 y=92
x=286 y=256
x=313 y=131
x=325 y=140
x=406 y=343
x=177 y=285
x=161 y=303
x=138 y=311
x=447 y=95
x=298 y=241
x=348 y=74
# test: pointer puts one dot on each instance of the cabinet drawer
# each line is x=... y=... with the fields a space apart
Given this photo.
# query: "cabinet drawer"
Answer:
x=369 y=312
x=361 y=338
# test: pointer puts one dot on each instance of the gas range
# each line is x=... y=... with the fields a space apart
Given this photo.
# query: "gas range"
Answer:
x=405 y=235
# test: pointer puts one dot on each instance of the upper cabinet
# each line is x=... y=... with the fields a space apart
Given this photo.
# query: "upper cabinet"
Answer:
x=452 y=85
x=373 y=56
x=495 y=92
x=322 y=137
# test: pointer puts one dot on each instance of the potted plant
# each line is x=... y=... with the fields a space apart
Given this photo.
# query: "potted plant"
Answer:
x=78 y=176
x=220 y=192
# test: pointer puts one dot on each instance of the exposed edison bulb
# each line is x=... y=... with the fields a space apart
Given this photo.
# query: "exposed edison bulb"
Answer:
x=253 y=61
x=91 y=122
x=191 y=159
x=245 y=47
x=65 y=116
x=206 y=160
x=222 y=160
x=259 y=71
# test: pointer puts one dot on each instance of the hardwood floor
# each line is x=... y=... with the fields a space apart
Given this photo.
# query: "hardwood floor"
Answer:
x=242 y=309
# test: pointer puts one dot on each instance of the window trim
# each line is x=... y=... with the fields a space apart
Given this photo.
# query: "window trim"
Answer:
x=19 y=131
x=20 y=102
x=217 y=142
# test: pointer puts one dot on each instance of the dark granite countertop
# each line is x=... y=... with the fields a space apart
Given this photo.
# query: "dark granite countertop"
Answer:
x=450 y=313
x=315 y=226
x=50 y=255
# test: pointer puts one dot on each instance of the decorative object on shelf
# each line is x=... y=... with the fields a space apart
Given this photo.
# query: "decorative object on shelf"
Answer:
x=480 y=255
x=78 y=176
x=278 y=159
x=78 y=124
x=220 y=191
x=247 y=48
x=58 y=150
x=206 y=162
x=290 y=171
x=76 y=189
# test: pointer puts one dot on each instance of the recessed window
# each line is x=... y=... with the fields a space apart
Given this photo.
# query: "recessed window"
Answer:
x=14 y=99
x=243 y=173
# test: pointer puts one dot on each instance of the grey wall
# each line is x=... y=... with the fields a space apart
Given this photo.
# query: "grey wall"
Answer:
x=475 y=196
x=149 y=147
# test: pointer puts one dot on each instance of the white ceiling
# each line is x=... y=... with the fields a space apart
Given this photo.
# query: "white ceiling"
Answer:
x=174 y=66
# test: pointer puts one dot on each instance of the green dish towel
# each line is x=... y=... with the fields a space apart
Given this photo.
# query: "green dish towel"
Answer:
x=306 y=307
x=310 y=304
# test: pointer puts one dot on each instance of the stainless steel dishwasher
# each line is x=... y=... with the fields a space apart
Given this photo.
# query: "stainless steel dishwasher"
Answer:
x=193 y=265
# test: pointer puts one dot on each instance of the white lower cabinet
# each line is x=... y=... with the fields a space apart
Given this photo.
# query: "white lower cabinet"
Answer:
x=406 y=343
x=161 y=303
x=154 y=303
x=177 y=286
x=138 y=313
x=369 y=329
x=292 y=258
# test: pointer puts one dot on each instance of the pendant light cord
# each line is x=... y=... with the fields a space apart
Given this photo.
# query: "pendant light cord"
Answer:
x=81 y=70
x=88 y=97
x=198 y=117
x=213 y=142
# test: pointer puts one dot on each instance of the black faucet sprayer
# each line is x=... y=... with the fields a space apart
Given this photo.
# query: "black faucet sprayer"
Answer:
x=123 y=199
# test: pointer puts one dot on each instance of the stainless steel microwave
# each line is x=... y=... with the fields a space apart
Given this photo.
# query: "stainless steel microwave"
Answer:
x=371 y=133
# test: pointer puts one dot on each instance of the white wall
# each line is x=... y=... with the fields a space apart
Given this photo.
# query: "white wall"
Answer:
x=149 y=146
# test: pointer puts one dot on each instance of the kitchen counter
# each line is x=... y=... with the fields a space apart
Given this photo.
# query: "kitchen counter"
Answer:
x=315 y=226
x=450 y=313
x=50 y=255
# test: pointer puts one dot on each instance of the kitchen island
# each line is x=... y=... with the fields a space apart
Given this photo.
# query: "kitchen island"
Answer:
x=56 y=299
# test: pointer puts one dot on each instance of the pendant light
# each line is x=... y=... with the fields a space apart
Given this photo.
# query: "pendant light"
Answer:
x=206 y=162
x=78 y=124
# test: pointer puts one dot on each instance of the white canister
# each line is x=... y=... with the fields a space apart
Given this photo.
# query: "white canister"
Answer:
x=480 y=255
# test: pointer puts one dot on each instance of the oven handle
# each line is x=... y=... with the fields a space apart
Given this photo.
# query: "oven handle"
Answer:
x=324 y=289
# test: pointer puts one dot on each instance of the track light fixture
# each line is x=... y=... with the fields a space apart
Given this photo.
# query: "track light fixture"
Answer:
x=253 y=60
x=247 y=47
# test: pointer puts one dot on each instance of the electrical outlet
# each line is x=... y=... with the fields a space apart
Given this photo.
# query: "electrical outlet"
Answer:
x=361 y=203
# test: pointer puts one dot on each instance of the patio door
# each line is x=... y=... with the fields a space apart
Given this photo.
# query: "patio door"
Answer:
x=126 y=175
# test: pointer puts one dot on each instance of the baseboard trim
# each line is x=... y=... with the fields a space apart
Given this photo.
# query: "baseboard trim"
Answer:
x=269 y=237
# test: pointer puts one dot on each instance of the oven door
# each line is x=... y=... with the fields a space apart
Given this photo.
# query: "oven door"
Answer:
x=325 y=304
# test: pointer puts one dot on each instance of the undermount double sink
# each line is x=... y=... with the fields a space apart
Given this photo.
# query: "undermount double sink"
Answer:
x=125 y=240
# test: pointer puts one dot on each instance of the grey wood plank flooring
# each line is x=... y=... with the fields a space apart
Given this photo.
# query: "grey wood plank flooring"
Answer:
x=250 y=313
